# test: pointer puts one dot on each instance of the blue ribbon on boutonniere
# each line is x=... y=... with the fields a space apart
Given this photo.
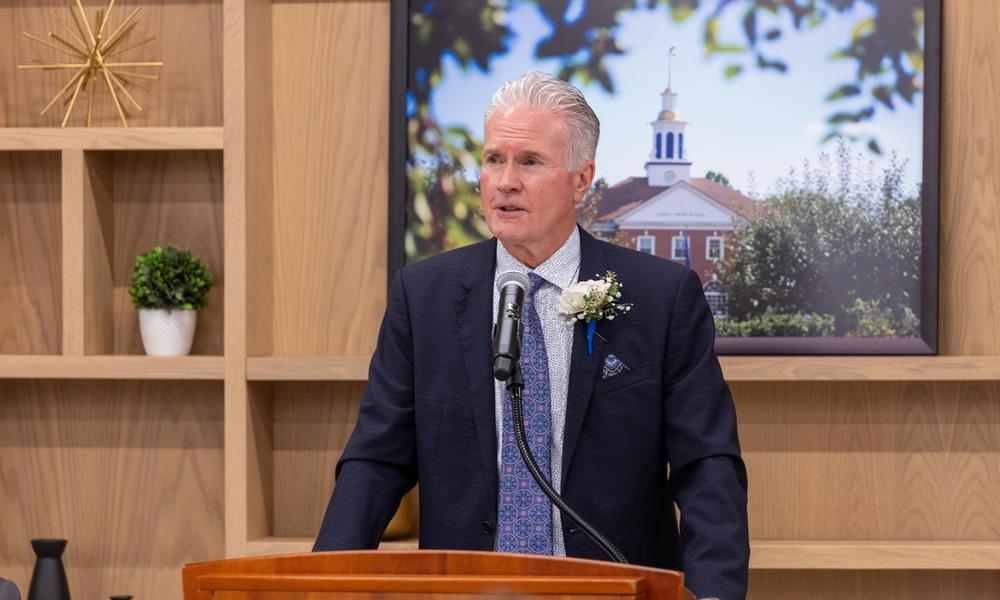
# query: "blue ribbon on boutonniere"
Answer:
x=591 y=330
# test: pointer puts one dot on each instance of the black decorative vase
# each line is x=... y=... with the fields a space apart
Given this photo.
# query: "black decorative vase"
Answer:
x=48 y=582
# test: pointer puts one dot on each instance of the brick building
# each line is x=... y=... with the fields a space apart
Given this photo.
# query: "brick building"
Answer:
x=669 y=213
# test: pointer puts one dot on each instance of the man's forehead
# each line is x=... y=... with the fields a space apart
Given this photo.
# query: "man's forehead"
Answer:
x=525 y=127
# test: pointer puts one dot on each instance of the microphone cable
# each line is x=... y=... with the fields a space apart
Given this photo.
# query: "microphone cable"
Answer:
x=515 y=385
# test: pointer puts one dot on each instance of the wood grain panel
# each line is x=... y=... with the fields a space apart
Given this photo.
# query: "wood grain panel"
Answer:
x=111 y=367
x=74 y=210
x=30 y=253
x=970 y=182
x=867 y=461
x=860 y=368
x=312 y=423
x=254 y=166
x=874 y=585
x=331 y=88
x=98 y=253
x=129 y=472
x=188 y=40
x=308 y=368
x=166 y=198
x=111 y=138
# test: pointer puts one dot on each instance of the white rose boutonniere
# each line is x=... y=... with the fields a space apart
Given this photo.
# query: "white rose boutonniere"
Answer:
x=591 y=301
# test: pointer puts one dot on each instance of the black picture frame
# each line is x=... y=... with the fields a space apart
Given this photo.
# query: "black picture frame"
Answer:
x=926 y=344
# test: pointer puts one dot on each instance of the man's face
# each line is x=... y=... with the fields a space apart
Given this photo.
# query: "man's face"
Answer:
x=527 y=194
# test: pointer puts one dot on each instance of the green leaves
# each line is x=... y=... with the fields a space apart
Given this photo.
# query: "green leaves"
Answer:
x=169 y=278
x=838 y=241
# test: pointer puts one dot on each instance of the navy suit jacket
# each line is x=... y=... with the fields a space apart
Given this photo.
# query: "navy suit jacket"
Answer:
x=662 y=432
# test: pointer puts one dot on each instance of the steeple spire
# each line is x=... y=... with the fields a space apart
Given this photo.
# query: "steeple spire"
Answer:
x=670 y=65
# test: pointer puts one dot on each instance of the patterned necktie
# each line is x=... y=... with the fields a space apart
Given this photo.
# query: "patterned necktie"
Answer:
x=523 y=510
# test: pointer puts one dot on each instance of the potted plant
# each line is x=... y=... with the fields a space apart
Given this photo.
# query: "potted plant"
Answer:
x=168 y=286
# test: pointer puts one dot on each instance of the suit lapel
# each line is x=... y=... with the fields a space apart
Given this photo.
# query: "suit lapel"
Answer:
x=475 y=326
x=583 y=366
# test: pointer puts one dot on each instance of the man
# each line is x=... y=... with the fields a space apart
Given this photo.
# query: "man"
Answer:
x=648 y=394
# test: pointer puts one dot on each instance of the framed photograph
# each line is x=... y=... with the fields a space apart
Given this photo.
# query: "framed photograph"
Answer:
x=786 y=151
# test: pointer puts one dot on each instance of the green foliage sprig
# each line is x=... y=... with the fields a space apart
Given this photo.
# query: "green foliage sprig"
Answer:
x=169 y=278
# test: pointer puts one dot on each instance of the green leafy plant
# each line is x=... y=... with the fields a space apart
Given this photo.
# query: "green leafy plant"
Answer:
x=772 y=324
x=169 y=278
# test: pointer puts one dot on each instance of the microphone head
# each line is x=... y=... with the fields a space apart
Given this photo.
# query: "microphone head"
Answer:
x=516 y=277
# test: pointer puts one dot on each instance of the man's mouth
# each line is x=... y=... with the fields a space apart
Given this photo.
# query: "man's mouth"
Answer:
x=507 y=208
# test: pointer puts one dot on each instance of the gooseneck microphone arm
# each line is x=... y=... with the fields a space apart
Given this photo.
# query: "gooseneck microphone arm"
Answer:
x=515 y=385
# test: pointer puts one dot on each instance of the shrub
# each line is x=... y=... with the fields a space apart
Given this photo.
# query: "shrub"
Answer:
x=773 y=324
x=169 y=278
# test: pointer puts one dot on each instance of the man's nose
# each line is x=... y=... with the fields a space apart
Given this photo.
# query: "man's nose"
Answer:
x=509 y=181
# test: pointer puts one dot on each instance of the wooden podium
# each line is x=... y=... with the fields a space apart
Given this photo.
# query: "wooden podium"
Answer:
x=425 y=574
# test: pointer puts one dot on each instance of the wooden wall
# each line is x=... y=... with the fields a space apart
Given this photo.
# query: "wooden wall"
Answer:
x=881 y=485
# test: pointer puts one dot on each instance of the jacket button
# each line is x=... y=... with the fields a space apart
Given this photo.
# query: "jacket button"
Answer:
x=487 y=528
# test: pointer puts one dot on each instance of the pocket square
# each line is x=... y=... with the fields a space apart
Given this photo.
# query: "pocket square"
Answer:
x=613 y=366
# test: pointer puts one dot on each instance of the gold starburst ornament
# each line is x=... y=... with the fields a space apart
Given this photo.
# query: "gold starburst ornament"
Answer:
x=92 y=65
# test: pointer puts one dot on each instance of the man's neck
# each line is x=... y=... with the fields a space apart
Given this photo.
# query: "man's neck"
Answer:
x=531 y=257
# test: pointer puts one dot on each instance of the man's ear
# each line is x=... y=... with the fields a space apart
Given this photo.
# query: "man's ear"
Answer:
x=583 y=176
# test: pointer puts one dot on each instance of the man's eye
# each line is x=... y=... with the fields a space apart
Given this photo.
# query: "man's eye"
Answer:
x=530 y=162
x=492 y=159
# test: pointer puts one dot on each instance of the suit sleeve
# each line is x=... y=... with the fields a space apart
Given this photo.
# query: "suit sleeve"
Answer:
x=379 y=464
x=707 y=475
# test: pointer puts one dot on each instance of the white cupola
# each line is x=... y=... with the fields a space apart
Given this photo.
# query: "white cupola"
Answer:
x=668 y=161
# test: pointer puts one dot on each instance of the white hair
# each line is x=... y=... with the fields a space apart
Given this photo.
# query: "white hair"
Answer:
x=546 y=92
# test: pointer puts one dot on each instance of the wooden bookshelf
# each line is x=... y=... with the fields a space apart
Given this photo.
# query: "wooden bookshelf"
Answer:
x=861 y=368
x=112 y=367
x=111 y=138
x=884 y=467
x=735 y=368
x=307 y=368
x=841 y=555
x=874 y=555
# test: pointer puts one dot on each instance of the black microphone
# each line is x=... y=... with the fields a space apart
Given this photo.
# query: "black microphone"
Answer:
x=507 y=329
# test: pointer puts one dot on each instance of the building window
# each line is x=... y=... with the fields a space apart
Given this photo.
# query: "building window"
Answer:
x=645 y=243
x=679 y=247
x=715 y=248
x=670 y=144
x=680 y=146
x=718 y=299
x=659 y=141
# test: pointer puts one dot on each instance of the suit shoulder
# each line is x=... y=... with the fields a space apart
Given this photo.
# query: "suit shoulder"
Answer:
x=450 y=265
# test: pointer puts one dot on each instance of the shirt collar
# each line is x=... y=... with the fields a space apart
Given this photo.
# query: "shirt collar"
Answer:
x=560 y=269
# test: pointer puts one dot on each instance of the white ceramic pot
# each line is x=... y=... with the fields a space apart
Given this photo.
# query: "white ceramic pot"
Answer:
x=167 y=332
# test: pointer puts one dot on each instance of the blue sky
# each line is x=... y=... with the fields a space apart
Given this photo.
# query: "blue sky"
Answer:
x=761 y=122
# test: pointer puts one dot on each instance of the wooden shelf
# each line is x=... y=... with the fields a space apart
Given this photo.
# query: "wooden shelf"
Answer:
x=298 y=545
x=111 y=138
x=735 y=368
x=307 y=368
x=111 y=367
x=861 y=368
x=875 y=555
x=782 y=554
